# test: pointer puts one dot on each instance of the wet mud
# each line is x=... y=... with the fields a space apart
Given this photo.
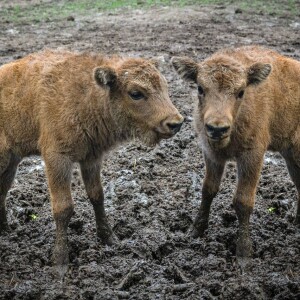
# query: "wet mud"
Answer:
x=152 y=194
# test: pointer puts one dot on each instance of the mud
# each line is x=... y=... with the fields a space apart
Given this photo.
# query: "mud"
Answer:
x=152 y=195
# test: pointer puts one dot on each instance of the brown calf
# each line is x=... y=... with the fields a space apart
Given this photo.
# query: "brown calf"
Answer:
x=249 y=102
x=71 y=108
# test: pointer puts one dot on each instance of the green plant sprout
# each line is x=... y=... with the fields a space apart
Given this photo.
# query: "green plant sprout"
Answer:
x=271 y=209
x=33 y=217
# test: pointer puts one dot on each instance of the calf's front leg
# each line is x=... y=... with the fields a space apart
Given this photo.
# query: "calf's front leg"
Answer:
x=59 y=169
x=249 y=167
x=91 y=178
x=211 y=185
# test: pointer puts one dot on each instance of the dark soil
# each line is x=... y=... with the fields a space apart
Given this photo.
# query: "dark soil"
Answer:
x=152 y=195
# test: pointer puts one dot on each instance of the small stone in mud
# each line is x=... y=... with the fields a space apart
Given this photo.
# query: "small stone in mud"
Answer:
x=189 y=119
x=70 y=18
x=122 y=294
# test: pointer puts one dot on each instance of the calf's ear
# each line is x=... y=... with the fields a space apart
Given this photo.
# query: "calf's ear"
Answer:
x=185 y=67
x=105 y=76
x=258 y=72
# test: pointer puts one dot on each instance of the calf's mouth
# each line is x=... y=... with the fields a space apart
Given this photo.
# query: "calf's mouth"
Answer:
x=163 y=135
x=218 y=138
x=218 y=142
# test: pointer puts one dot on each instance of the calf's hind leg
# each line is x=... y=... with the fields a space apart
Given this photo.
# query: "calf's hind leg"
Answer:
x=294 y=171
x=91 y=178
x=58 y=169
x=211 y=185
x=8 y=168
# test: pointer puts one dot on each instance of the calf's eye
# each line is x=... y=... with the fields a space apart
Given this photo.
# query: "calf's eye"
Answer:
x=136 y=95
x=200 y=90
x=241 y=94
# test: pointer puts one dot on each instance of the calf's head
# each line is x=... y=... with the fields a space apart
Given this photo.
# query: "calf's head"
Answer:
x=222 y=87
x=139 y=100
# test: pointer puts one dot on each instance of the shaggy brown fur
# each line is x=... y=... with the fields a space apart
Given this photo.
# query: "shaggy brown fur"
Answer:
x=249 y=102
x=70 y=108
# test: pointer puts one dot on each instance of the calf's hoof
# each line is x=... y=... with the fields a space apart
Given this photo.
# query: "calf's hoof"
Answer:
x=59 y=271
x=244 y=253
x=297 y=220
x=60 y=260
x=244 y=248
x=108 y=239
x=244 y=263
x=198 y=229
x=3 y=227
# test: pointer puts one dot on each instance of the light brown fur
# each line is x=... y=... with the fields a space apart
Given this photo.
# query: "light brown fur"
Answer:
x=73 y=107
x=249 y=102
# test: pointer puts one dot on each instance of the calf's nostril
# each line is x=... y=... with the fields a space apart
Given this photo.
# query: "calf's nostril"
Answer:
x=210 y=128
x=174 y=127
x=216 y=130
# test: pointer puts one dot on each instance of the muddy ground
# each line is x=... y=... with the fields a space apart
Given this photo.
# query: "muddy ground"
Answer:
x=152 y=195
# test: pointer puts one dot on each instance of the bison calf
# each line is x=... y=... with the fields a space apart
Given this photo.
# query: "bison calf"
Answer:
x=249 y=102
x=71 y=108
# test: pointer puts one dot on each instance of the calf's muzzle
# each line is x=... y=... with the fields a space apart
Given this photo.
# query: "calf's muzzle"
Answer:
x=174 y=127
x=171 y=125
x=217 y=131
